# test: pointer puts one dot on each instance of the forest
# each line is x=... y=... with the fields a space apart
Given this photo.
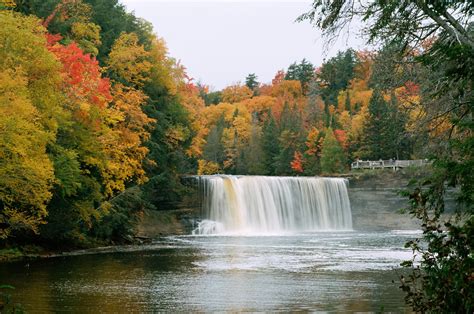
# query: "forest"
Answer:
x=99 y=122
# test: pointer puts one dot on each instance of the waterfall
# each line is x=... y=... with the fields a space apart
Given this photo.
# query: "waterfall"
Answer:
x=273 y=205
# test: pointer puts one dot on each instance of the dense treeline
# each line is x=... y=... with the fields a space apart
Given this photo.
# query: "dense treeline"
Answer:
x=94 y=125
x=311 y=120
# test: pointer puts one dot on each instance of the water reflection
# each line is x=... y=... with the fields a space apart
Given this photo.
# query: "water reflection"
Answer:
x=330 y=272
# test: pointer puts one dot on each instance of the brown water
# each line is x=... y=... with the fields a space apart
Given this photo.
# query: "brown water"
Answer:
x=348 y=271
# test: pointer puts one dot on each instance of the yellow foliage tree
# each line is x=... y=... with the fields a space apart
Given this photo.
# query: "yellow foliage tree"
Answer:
x=207 y=167
x=129 y=60
x=87 y=36
x=236 y=93
x=345 y=120
x=29 y=81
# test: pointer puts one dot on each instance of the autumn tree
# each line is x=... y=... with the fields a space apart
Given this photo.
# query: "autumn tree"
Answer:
x=236 y=93
x=29 y=102
x=312 y=154
x=79 y=154
x=297 y=162
x=129 y=62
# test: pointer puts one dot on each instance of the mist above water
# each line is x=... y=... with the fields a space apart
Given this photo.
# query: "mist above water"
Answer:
x=273 y=205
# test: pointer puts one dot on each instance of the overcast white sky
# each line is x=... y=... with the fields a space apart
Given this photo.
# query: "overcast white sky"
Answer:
x=221 y=41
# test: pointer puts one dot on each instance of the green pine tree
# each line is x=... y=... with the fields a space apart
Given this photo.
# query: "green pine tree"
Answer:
x=270 y=143
x=333 y=158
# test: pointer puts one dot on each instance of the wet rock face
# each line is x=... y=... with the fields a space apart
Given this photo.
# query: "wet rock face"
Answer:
x=379 y=209
x=376 y=203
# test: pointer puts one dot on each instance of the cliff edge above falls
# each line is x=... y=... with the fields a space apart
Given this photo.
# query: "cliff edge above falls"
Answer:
x=375 y=199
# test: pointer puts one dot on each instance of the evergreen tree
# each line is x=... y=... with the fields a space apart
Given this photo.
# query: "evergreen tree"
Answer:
x=270 y=144
x=402 y=146
x=335 y=75
x=384 y=131
x=253 y=153
x=333 y=158
x=375 y=141
x=289 y=140
x=303 y=72
x=347 y=104
x=214 y=148
x=164 y=187
x=252 y=83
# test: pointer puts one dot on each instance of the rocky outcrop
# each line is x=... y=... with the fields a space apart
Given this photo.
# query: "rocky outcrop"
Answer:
x=376 y=203
x=156 y=223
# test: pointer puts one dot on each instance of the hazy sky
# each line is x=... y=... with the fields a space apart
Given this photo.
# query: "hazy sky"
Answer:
x=222 y=41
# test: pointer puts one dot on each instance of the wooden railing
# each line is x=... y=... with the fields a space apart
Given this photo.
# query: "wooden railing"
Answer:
x=394 y=164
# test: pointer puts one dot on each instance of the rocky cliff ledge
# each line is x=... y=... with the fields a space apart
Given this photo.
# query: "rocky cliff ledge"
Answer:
x=375 y=199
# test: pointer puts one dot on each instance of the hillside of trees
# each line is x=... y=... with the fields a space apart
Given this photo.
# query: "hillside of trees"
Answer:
x=311 y=120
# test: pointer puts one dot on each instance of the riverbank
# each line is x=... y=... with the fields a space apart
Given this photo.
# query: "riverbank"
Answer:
x=151 y=224
x=155 y=223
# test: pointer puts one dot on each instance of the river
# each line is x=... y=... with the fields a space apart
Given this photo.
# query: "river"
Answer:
x=323 y=271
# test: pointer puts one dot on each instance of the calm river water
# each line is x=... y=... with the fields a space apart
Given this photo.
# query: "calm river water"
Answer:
x=345 y=271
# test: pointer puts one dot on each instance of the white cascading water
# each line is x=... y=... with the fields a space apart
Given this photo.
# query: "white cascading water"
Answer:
x=273 y=205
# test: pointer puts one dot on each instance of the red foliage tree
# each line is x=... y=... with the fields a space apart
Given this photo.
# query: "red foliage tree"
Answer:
x=341 y=137
x=297 y=163
x=82 y=77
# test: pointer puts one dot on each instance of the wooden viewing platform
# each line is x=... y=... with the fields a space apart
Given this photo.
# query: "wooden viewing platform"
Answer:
x=394 y=164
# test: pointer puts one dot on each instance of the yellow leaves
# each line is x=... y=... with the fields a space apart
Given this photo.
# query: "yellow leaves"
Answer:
x=165 y=71
x=312 y=141
x=29 y=110
x=7 y=4
x=207 y=167
x=177 y=135
x=259 y=104
x=288 y=90
x=198 y=142
x=236 y=93
x=410 y=102
x=357 y=123
x=129 y=101
x=129 y=60
x=87 y=35
x=22 y=47
x=345 y=120
x=361 y=98
x=85 y=108
x=26 y=173
x=124 y=160
x=123 y=143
